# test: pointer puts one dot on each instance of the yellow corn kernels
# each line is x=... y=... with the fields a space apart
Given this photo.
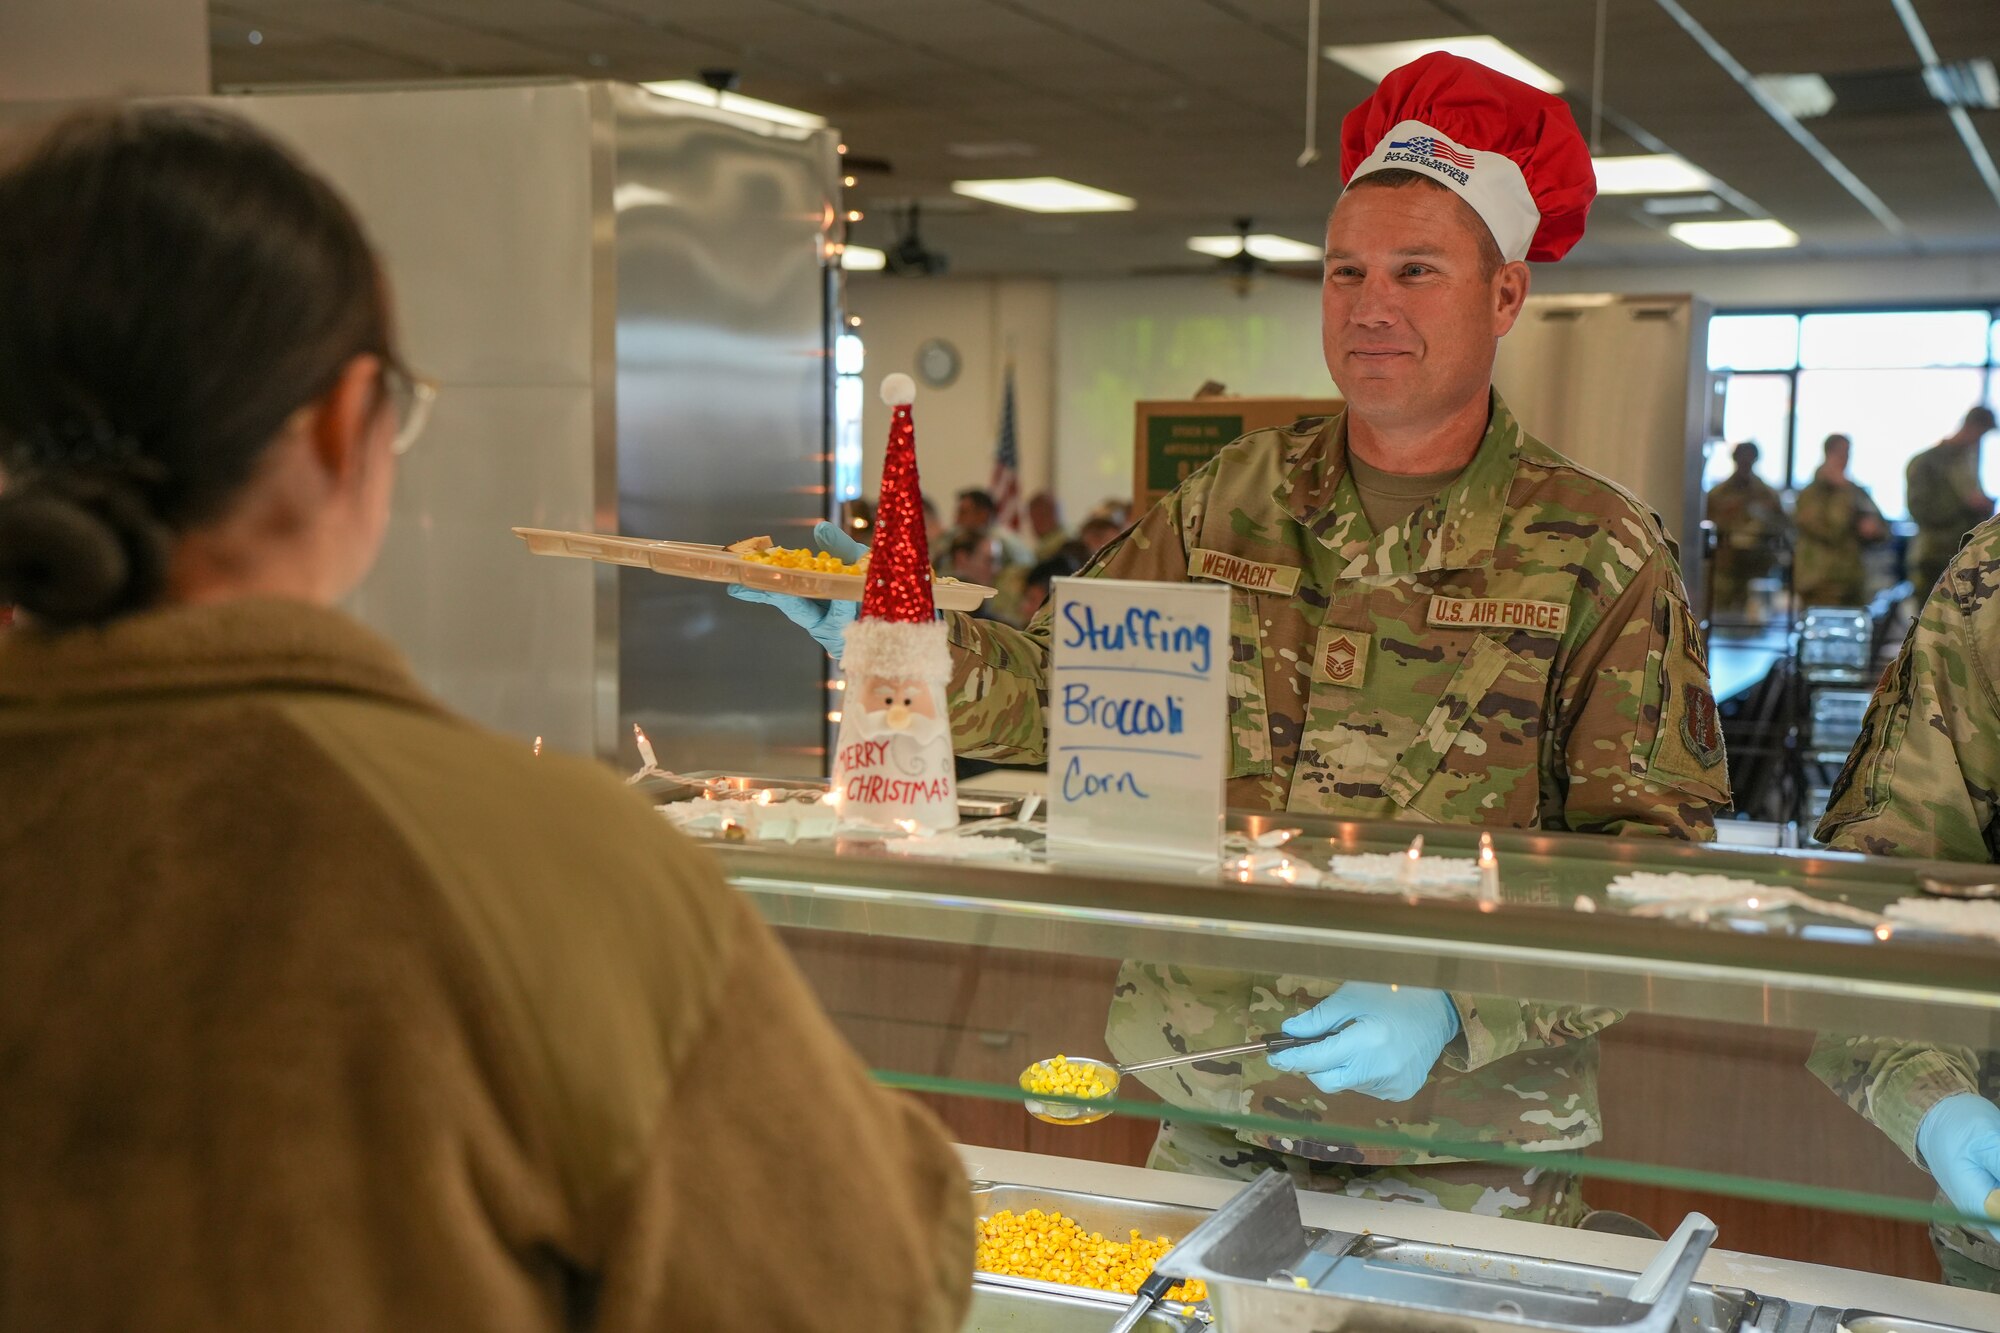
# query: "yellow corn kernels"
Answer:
x=1054 y=1248
x=1060 y=1078
x=815 y=562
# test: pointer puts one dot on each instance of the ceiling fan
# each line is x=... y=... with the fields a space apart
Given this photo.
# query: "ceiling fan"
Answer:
x=909 y=256
x=1243 y=266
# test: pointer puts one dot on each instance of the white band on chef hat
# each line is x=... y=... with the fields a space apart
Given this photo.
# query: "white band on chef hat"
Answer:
x=1490 y=182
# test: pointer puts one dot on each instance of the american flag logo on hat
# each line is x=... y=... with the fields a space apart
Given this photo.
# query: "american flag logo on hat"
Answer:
x=1426 y=146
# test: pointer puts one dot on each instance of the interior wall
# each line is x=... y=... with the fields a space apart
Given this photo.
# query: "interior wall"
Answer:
x=991 y=322
x=68 y=50
x=1087 y=349
x=1128 y=339
x=1748 y=283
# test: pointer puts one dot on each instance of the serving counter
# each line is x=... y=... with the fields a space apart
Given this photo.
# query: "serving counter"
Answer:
x=953 y=975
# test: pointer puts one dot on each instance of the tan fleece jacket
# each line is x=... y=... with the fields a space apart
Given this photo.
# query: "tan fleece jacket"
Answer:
x=321 y=1009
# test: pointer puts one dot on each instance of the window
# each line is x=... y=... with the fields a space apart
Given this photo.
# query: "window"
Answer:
x=1884 y=339
x=848 y=361
x=1893 y=381
x=1889 y=414
x=1757 y=409
x=1753 y=342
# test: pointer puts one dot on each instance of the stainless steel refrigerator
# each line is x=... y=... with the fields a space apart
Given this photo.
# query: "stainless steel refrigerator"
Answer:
x=1620 y=384
x=631 y=307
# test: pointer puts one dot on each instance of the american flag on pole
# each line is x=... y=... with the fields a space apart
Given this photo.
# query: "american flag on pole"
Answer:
x=1006 y=484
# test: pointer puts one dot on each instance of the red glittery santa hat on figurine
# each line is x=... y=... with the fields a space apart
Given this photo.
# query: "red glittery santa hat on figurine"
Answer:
x=893 y=766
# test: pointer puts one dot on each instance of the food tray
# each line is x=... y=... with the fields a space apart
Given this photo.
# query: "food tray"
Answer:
x=1265 y=1272
x=1015 y=1305
x=1114 y=1217
x=713 y=564
x=1093 y=1212
x=1705 y=1309
x=1827 y=1320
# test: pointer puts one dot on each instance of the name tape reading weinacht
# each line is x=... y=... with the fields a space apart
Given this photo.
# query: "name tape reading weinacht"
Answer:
x=1137 y=711
x=1252 y=575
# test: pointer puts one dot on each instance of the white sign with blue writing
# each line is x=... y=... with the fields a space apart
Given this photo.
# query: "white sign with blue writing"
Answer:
x=1138 y=718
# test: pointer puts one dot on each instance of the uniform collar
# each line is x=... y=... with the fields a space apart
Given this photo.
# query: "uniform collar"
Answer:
x=1456 y=531
x=244 y=644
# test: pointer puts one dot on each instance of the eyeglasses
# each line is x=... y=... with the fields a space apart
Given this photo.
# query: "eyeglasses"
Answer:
x=411 y=398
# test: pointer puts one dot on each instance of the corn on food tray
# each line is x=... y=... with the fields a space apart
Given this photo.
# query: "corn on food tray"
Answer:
x=774 y=569
x=1054 y=1248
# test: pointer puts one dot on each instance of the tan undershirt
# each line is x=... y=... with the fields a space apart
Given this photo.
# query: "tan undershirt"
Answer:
x=1391 y=497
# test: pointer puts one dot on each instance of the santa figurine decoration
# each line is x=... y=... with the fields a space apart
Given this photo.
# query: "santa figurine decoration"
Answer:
x=893 y=767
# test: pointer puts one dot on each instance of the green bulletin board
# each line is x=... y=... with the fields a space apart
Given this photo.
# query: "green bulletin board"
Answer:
x=1177 y=446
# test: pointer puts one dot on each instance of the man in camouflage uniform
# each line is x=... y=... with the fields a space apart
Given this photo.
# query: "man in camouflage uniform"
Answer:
x=1923 y=781
x=1835 y=520
x=1507 y=643
x=1750 y=530
x=1945 y=498
x=1513 y=649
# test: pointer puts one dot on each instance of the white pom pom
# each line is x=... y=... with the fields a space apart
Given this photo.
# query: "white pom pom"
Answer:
x=898 y=389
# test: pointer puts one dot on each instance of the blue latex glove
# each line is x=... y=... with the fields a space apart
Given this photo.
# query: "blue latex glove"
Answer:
x=1959 y=1140
x=826 y=621
x=1397 y=1034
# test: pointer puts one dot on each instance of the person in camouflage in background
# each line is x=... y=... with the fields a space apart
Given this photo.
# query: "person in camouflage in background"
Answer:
x=1751 y=530
x=1835 y=520
x=1923 y=781
x=1513 y=648
x=1942 y=486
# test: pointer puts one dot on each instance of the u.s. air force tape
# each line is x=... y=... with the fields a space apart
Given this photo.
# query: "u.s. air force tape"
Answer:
x=1498 y=613
x=1253 y=575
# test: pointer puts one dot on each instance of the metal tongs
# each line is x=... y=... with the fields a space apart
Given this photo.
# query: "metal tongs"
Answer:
x=1277 y=1041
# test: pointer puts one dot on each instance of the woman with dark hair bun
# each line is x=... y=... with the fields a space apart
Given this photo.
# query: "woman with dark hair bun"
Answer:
x=320 y=1008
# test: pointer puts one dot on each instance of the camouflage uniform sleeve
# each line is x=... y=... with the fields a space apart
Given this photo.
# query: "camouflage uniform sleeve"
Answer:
x=1921 y=780
x=1893 y=1083
x=1000 y=675
x=1494 y=1026
x=1921 y=783
x=1641 y=742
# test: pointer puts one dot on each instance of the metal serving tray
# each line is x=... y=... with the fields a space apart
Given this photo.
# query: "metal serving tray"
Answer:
x=1265 y=1273
x=1032 y=1304
x=1115 y=1218
x=1095 y=1212
x=1827 y=1320
x=1705 y=1309
x=1015 y=1305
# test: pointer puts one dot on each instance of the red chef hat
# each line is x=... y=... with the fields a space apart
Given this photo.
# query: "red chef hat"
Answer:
x=1511 y=151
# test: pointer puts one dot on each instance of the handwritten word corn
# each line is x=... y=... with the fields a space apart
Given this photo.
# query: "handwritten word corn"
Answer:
x=1060 y=1078
x=1054 y=1248
x=817 y=562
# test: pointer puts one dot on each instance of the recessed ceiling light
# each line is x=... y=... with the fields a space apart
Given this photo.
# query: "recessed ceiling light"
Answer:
x=862 y=259
x=1748 y=234
x=1804 y=95
x=1271 y=249
x=1376 y=59
x=1045 y=194
x=1002 y=148
x=1679 y=205
x=1650 y=173
x=687 y=90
